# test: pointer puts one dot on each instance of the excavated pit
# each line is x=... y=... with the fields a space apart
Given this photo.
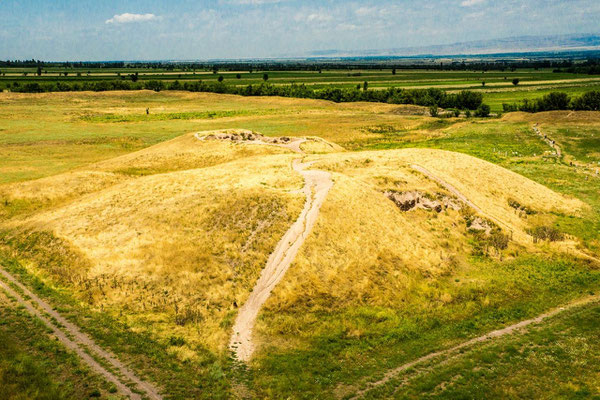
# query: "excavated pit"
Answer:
x=247 y=136
x=412 y=200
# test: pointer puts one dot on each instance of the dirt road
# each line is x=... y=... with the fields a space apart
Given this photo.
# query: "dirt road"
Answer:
x=80 y=343
x=494 y=334
x=316 y=186
x=548 y=140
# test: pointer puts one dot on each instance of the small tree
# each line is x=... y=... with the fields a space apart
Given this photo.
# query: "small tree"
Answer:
x=66 y=73
x=456 y=112
x=483 y=111
x=220 y=78
x=433 y=111
x=39 y=71
x=516 y=81
x=365 y=86
x=157 y=86
x=238 y=76
x=394 y=71
x=483 y=83
x=265 y=77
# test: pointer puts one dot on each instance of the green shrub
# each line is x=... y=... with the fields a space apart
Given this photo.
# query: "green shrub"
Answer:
x=483 y=111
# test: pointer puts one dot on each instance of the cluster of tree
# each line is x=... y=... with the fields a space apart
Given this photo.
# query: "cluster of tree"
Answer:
x=465 y=100
x=590 y=67
x=95 y=86
x=589 y=101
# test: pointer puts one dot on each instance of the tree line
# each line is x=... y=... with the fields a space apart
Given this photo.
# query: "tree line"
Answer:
x=589 y=101
x=465 y=100
x=430 y=97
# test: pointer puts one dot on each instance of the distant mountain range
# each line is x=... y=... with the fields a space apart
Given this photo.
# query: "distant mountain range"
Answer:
x=517 y=44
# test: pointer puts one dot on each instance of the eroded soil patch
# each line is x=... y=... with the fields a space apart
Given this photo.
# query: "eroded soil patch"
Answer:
x=412 y=200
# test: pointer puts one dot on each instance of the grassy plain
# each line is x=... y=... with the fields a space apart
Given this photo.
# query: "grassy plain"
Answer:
x=148 y=238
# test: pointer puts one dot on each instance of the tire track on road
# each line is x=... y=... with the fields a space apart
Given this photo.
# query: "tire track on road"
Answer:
x=79 y=342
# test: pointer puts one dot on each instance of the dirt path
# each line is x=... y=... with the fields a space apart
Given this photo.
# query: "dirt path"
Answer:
x=458 y=194
x=74 y=339
x=316 y=186
x=494 y=334
x=550 y=142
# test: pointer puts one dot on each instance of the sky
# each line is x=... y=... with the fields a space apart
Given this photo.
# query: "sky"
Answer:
x=60 y=30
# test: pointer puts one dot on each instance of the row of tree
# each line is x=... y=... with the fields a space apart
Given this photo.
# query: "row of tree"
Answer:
x=560 y=64
x=465 y=100
x=432 y=97
x=589 y=101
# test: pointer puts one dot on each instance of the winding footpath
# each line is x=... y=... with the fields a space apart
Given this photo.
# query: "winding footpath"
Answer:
x=448 y=353
x=316 y=186
x=72 y=338
x=548 y=140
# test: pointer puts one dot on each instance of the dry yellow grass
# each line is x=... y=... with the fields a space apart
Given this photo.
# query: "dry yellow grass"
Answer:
x=181 y=153
x=487 y=185
x=174 y=251
x=364 y=251
x=171 y=252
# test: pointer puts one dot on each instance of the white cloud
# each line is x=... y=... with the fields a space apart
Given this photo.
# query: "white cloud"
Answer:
x=127 y=18
x=251 y=2
x=317 y=17
x=470 y=3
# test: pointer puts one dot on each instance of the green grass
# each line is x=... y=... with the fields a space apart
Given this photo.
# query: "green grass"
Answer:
x=34 y=365
x=580 y=142
x=496 y=98
x=559 y=359
x=494 y=142
x=163 y=116
x=490 y=295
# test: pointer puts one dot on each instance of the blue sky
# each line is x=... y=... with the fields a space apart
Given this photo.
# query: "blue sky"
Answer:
x=203 y=29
